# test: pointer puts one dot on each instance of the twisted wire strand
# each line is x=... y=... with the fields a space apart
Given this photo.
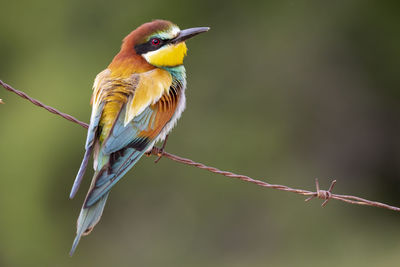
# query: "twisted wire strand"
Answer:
x=326 y=195
x=40 y=104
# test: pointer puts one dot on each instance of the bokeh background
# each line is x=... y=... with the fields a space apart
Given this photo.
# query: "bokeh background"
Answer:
x=283 y=91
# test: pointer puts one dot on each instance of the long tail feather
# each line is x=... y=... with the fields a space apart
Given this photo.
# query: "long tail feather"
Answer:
x=106 y=179
x=88 y=218
x=81 y=172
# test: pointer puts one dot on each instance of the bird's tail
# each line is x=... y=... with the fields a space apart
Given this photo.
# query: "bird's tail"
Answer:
x=88 y=218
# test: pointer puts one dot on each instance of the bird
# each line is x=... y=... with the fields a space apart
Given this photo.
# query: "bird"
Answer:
x=136 y=102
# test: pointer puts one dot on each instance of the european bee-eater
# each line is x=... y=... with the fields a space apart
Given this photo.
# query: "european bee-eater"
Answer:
x=136 y=102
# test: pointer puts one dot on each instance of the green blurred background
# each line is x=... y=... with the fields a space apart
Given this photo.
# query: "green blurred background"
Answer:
x=283 y=91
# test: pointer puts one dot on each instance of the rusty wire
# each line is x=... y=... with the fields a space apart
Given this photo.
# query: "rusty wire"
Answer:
x=326 y=195
x=40 y=104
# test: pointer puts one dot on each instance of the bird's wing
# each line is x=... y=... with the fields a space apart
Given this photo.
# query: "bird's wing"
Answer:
x=151 y=87
x=94 y=121
x=137 y=125
x=138 y=92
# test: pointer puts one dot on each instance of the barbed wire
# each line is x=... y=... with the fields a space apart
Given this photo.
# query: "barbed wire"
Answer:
x=40 y=104
x=326 y=195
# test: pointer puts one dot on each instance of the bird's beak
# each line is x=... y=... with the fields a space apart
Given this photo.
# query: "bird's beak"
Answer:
x=188 y=33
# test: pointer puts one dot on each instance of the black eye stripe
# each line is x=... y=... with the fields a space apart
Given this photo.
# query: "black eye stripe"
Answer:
x=149 y=46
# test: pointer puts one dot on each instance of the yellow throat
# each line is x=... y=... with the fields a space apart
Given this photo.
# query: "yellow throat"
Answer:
x=168 y=56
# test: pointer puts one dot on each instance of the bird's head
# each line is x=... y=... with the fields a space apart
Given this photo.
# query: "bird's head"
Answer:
x=161 y=43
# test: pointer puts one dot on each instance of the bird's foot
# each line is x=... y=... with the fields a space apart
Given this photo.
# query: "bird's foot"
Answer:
x=160 y=151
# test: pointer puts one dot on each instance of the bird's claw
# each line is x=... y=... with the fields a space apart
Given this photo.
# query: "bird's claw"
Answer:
x=160 y=153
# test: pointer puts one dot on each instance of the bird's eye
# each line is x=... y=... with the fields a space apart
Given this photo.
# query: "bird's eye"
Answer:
x=155 y=41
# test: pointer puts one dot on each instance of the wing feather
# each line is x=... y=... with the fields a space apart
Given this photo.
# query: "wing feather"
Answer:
x=128 y=115
x=151 y=87
x=94 y=121
x=124 y=153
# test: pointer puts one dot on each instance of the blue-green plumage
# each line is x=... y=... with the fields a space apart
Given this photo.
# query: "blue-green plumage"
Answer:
x=114 y=159
x=94 y=121
x=87 y=220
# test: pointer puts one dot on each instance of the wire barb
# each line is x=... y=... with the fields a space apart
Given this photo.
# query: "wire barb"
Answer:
x=321 y=194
